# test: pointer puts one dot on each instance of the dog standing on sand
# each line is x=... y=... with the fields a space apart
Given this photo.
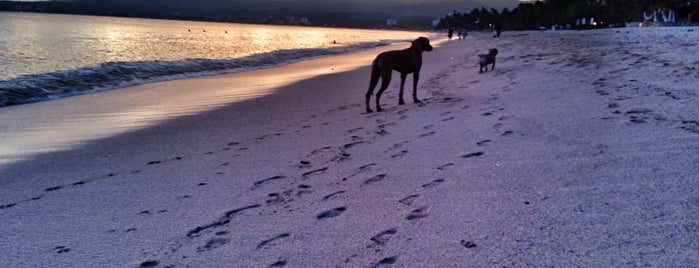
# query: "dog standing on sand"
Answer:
x=486 y=59
x=404 y=61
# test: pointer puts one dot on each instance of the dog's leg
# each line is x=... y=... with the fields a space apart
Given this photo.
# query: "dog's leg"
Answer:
x=416 y=77
x=368 y=98
x=402 y=85
x=385 y=80
x=493 y=68
x=372 y=84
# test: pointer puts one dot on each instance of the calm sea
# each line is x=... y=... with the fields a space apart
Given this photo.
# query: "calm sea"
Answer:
x=46 y=56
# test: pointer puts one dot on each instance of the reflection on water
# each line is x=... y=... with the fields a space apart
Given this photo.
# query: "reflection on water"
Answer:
x=66 y=123
x=62 y=124
x=44 y=43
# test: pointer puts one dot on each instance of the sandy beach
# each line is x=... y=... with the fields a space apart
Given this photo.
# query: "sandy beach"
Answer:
x=581 y=149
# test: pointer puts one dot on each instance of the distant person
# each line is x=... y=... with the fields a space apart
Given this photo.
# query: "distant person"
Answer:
x=450 y=33
x=498 y=30
x=463 y=33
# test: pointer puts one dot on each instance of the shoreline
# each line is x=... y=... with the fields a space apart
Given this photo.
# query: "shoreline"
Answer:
x=108 y=113
x=558 y=157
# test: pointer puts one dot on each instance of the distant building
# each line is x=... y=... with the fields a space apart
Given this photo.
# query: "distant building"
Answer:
x=292 y=20
x=391 y=22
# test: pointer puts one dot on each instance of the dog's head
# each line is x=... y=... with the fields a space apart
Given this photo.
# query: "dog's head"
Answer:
x=493 y=51
x=422 y=44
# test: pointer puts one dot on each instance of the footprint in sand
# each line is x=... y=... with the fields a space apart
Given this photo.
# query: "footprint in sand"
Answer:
x=274 y=198
x=8 y=205
x=468 y=244
x=690 y=125
x=408 y=200
x=272 y=240
x=51 y=189
x=331 y=213
x=62 y=249
x=382 y=129
x=483 y=142
x=341 y=156
x=375 y=179
x=355 y=129
x=399 y=154
x=225 y=219
x=313 y=172
x=333 y=195
x=432 y=183
x=382 y=132
x=214 y=243
x=398 y=145
x=417 y=214
x=80 y=183
x=427 y=134
x=277 y=264
x=367 y=166
x=476 y=154
x=150 y=263
x=445 y=166
x=304 y=189
x=267 y=180
x=385 y=262
x=350 y=145
x=507 y=133
x=384 y=236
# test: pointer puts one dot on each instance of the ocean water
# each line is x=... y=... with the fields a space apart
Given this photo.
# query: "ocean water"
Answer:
x=48 y=56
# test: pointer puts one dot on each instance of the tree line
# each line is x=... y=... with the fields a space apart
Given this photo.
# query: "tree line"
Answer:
x=548 y=13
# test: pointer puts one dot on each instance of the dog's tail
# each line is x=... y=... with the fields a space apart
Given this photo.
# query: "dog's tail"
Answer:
x=375 y=75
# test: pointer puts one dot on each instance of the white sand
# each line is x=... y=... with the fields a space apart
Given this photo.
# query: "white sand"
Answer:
x=580 y=149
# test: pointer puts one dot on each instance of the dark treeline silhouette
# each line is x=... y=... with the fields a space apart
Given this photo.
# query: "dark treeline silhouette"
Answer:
x=545 y=14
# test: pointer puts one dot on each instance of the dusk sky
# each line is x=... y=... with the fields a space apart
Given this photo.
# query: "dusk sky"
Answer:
x=420 y=7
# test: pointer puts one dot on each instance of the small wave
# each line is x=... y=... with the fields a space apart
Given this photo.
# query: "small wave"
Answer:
x=111 y=75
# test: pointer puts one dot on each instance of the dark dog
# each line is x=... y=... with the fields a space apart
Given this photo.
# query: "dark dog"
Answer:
x=486 y=59
x=404 y=61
